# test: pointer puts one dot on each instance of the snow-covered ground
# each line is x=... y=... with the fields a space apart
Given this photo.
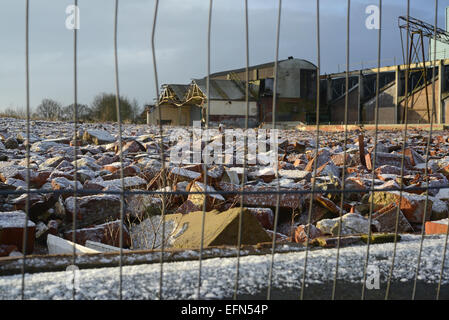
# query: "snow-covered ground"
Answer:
x=180 y=279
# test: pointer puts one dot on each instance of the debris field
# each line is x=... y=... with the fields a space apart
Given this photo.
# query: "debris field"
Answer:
x=86 y=191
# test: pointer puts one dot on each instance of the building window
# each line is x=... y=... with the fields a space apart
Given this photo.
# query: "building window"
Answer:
x=308 y=84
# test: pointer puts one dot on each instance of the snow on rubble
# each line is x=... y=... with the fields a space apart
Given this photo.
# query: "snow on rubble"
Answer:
x=218 y=274
x=288 y=166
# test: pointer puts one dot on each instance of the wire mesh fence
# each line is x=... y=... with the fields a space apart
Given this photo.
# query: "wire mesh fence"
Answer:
x=409 y=194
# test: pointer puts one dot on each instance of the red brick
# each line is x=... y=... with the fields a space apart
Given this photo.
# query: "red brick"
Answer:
x=6 y=249
x=328 y=204
x=387 y=169
x=79 y=143
x=386 y=159
x=104 y=160
x=127 y=172
x=92 y=210
x=280 y=238
x=411 y=205
x=362 y=149
x=264 y=215
x=188 y=206
x=440 y=139
x=292 y=201
x=298 y=147
x=130 y=147
x=12 y=228
x=61 y=174
x=213 y=201
x=339 y=159
x=445 y=171
x=433 y=227
x=323 y=157
x=413 y=157
x=387 y=218
x=107 y=233
x=214 y=175
x=40 y=178
x=53 y=226
x=301 y=233
x=38 y=203
x=297 y=162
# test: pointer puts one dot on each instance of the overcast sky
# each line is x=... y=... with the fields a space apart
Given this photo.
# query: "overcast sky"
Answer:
x=181 y=42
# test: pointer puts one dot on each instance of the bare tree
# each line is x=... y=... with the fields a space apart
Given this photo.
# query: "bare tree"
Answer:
x=84 y=112
x=104 y=108
x=14 y=112
x=49 y=109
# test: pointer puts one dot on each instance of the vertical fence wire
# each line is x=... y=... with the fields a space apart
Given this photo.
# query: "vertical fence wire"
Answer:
x=245 y=152
x=75 y=139
x=373 y=173
x=429 y=141
x=203 y=218
x=161 y=150
x=119 y=120
x=442 y=264
x=447 y=230
x=317 y=144
x=27 y=203
x=274 y=138
x=404 y=143
x=343 y=175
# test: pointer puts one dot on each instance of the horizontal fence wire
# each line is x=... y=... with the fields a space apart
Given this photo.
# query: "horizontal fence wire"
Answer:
x=275 y=188
x=219 y=192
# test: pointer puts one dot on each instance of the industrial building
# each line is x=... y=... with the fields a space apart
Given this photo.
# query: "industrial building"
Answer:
x=392 y=97
x=296 y=96
x=420 y=85
x=176 y=108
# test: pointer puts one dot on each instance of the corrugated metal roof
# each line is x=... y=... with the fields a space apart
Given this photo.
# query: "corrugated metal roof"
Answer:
x=222 y=90
x=180 y=90
x=299 y=62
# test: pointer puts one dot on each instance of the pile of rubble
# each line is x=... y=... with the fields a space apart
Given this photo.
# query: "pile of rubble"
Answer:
x=97 y=215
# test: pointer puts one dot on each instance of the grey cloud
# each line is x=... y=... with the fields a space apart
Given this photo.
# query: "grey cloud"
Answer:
x=181 y=47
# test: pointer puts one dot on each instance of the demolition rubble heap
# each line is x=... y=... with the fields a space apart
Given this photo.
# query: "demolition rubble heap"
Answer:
x=97 y=215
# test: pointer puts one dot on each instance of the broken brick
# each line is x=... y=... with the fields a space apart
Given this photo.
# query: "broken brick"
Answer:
x=387 y=217
x=6 y=249
x=12 y=225
x=107 y=233
x=292 y=201
x=362 y=150
x=323 y=157
x=93 y=209
x=386 y=159
x=197 y=199
x=437 y=227
x=264 y=215
x=411 y=205
x=304 y=232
